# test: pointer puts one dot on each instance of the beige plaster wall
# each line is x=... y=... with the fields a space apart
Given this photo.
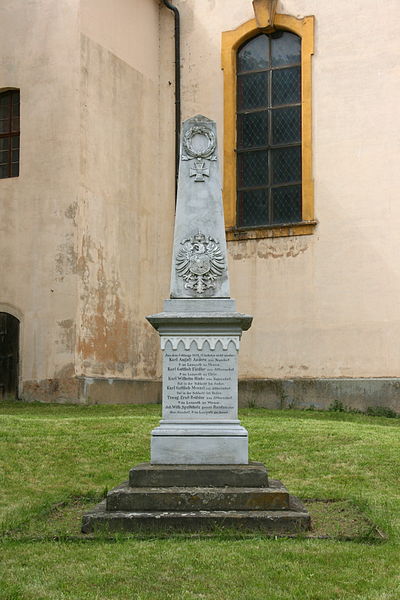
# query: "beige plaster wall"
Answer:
x=127 y=28
x=126 y=216
x=86 y=229
x=38 y=54
x=80 y=258
x=323 y=305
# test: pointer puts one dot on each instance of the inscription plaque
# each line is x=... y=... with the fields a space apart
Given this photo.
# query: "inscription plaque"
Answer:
x=201 y=383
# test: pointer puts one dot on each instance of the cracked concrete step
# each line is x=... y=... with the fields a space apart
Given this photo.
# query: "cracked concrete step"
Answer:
x=147 y=475
x=126 y=498
x=274 y=522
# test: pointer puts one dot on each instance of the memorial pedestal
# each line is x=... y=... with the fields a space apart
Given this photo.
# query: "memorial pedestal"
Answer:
x=200 y=343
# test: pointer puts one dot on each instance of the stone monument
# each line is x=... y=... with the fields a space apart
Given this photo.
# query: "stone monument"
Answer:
x=200 y=329
x=199 y=475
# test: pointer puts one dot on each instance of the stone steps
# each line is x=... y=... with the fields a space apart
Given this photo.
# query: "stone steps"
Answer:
x=198 y=498
x=125 y=498
x=270 y=522
x=253 y=474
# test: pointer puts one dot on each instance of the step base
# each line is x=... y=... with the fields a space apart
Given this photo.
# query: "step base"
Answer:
x=273 y=522
x=126 y=498
x=199 y=498
x=254 y=474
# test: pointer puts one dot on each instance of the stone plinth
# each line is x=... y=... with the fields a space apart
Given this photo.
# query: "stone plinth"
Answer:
x=125 y=498
x=253 y=474
x=268 y=522
x=200 y=343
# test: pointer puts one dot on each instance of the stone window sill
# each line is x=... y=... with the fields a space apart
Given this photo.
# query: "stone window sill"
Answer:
x=302 y=228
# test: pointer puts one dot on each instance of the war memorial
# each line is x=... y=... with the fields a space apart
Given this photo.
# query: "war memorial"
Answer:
x=199 y=476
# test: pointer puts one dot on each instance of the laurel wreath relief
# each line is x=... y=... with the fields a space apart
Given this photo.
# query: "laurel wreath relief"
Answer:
x=191 y=152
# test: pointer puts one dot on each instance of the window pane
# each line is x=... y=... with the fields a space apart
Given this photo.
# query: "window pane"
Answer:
x=286 y=86
x=15 y=110
x=15 y=124
x=252 y=90
x=285 y=49
x=254 y=55
x=4 y=111
x=253 y=208
x=253 y=129
x=4 y=100
x=286 y=204
x=286 y=165
x=269 y=131
x=15 y=141
x=15 y=169
x=15 y=155
x=286 y=125
x=4 y=125
x=4 y=156
x=252 y=168
x=4 y=143
x=15 y=97
x=3 y=171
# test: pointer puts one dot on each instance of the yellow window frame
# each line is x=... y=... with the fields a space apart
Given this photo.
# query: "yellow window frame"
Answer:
x=231 y=41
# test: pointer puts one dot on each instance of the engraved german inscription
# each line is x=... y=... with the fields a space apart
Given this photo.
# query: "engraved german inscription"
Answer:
x=200 y=384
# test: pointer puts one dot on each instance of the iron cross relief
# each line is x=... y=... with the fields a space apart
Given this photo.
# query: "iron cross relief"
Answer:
x=198 y=171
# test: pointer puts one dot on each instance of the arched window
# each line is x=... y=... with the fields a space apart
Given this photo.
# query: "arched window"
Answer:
x=268 y=187
x=269 y=130
x=9 y=134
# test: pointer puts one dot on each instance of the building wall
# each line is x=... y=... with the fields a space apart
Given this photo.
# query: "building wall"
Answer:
x=80 y=259
x=86 y=229
x=38 y=54
x=121 y=262
x=324 y=305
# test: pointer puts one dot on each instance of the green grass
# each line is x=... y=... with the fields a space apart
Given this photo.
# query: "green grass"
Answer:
x=56 y=461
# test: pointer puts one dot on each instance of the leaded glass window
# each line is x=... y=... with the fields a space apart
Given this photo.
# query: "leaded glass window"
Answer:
x=9 y=134
x=269 y=130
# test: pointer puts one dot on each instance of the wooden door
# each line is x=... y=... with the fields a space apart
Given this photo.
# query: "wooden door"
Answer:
x=9 y=355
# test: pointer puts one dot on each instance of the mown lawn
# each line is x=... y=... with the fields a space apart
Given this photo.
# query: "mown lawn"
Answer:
x=56 y=461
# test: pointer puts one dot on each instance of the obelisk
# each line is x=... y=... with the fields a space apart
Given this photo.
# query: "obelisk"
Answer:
x=200 y=329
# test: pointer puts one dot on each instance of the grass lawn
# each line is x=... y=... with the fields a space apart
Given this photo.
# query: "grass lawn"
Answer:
x=57 y=461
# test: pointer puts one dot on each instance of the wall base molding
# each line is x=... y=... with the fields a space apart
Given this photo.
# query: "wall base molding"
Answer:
x=321 y=394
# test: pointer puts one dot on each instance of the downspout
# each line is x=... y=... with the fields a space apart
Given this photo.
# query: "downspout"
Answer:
x=177 y=85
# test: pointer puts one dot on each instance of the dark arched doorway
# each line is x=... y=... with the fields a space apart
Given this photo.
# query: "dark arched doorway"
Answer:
x=9 y=355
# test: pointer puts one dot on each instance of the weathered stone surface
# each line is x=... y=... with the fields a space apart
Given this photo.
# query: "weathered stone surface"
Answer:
x=199 y=262
x=191 y=446
x=200 y=380
x=193 y=498
x=320 y=394
x=200 y=329
x=191 y=319
x=269 y=522
x=125 y=498
x=252 y=475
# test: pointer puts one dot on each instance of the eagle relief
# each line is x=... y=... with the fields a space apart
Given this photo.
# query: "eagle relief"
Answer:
x=200 y=262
